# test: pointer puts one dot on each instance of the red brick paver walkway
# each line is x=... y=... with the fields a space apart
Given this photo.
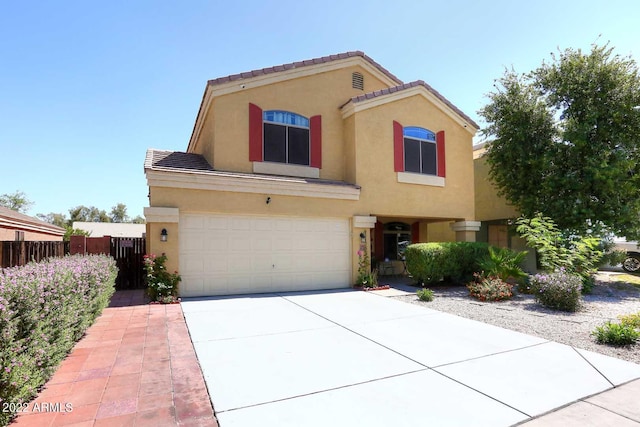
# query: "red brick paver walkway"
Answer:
x=135 y=366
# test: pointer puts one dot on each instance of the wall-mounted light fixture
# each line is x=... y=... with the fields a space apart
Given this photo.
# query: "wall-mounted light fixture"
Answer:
x=363 y=237
x=163 y=235
x=268 y=200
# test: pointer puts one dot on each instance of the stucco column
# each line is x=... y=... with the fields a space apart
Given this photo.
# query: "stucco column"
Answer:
x=159 y=219
x=465 y=230
x=361 y=240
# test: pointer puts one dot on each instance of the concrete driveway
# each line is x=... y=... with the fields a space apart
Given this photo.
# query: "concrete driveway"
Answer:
x=350 y=358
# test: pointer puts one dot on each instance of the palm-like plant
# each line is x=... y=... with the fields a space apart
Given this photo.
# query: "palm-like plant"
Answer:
x=503 y=263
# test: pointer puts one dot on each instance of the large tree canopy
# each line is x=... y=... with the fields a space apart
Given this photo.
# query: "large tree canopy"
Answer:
x=567 y=141
x=17 y=201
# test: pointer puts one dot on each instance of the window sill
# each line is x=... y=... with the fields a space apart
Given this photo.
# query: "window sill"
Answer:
x=271 y=168
x=420 y=179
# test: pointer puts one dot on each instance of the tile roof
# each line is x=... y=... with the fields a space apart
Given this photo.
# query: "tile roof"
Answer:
x=298 y=64
x=175 y=161
x=10 y=217
x=410 y=85
x=162 y=159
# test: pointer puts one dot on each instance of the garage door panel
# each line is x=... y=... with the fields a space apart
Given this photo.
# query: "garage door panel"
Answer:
x=262 y=224
x=193 y=264
x=241 y=224
x=283 y=261
x=216 y=242
x=225 y=255
x=192 y=285
x=262 y=263
x=262 y=242
x=239 y=241
x=192 y=222
x=216 y=223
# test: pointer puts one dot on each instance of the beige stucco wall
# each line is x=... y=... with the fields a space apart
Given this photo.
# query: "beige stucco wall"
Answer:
x=382 y=194
x=224 y=140
x=357 y=149
x=489 y=206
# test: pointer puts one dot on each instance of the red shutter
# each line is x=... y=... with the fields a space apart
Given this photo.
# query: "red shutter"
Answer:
x=415 y=232
x=378 y=240
x=398 y=147
x=255 y=133
x=442 y=169
x=315 y=130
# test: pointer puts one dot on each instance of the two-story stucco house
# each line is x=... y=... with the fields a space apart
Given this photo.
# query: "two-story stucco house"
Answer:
x=292 y=170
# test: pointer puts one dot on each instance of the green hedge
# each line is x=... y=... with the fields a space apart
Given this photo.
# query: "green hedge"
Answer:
x=430 y=263
x=45 y=309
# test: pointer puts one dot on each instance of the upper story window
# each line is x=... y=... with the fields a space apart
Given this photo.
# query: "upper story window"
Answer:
x=281 y=137
x=286 y=137
x=417 y=150
x=420 y=153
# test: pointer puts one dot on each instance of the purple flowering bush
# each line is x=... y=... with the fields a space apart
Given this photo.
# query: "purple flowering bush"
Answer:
x=45 y=308
x=559 y=290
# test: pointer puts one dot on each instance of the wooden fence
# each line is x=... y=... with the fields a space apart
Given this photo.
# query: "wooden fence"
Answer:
x=15 y=253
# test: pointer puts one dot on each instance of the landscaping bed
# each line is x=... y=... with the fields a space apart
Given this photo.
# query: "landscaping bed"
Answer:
x=613 y=295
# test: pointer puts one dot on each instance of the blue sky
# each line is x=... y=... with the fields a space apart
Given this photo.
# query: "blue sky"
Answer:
x=87 y=87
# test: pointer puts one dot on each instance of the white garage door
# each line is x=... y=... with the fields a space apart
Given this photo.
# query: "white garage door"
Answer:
x=225 y=255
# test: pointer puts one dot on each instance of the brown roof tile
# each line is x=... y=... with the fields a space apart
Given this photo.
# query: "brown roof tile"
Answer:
x=161 y=159
x=176 y=161
x=305 y=63
x=410 y=85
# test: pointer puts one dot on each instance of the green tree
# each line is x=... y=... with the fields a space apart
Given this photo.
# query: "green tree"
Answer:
x=567 y=141
x=17 y=201
x=87 y=214
x=138 y=220
x=58 y=219
x=119 y=213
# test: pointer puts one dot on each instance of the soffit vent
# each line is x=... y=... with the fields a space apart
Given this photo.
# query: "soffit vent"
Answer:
x=357 y=81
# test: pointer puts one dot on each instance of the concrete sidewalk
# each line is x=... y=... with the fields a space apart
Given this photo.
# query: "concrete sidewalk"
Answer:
x=134 y=367
x=346 y=358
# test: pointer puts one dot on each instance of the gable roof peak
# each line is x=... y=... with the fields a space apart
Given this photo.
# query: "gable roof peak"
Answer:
x=405 y=86
x=304 y=63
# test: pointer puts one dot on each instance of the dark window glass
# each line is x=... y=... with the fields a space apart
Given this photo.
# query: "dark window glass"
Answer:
x=275 y=143
x=299 y=146
x=429 y=158
x=411 y=155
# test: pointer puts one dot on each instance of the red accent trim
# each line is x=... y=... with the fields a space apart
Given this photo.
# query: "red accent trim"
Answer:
x=378 y=240
x=442 y=169
x=255 y=133
x=398 y=147
x=315 y=131
x=415 y=232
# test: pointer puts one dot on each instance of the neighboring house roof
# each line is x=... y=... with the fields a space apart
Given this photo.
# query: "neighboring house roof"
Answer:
x=405 y=86
x=305 y=63
x=188 y=170
x=15 y=220
x=113 y=229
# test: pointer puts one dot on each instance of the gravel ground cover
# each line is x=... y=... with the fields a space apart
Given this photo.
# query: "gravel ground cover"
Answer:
x=612 y=297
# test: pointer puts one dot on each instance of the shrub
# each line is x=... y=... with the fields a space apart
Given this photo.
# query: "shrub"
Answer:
x=490 y=288
x=560 y=290
x=162 y=285
x=425 y=294
x=44 y=309
x=432 y=262
x=632 y=320
x=616 y=334
x=559 y=249
x=503 y=263
x=366 y=277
